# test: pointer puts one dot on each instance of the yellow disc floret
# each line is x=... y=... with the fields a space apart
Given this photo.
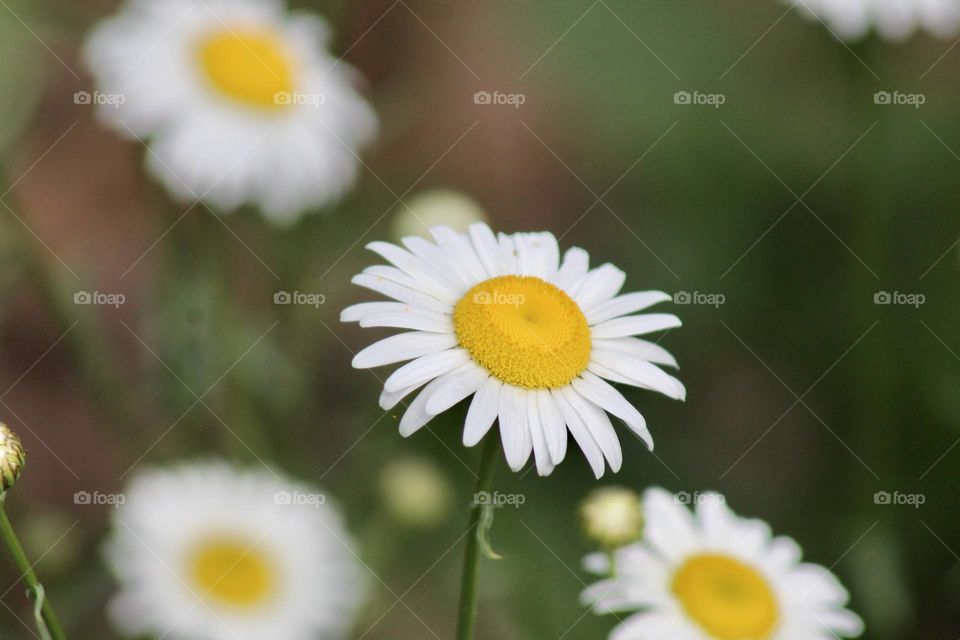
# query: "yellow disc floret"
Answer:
x=232 y=573
x=524 y=331
x=730 y=600
x=250 y=66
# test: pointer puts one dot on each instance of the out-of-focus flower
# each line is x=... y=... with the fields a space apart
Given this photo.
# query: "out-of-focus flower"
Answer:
x=416 y=492
x=436 y=207
x=205 y=551
x=714 y=576
x=612 y=516
x=893 y=19
x=531 y=338
x=12 y=457
x=241 y=101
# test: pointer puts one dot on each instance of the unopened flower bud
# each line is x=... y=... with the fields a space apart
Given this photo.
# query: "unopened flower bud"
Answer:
x=612 y=517
x=12 y=457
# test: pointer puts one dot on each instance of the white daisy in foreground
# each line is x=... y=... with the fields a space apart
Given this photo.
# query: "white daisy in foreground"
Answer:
x=205 y=551
x=241 y=101
x=714 y=576
x=893 y=19
x=531 y=337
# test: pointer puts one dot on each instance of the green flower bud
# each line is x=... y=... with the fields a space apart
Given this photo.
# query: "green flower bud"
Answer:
x=612 y=517
x=12 y=457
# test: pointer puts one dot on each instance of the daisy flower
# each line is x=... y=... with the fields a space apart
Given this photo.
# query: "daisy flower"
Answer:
x=531 y=337
x=711 y=575
x=893 y=19
x=242 y=101
x=206 y=551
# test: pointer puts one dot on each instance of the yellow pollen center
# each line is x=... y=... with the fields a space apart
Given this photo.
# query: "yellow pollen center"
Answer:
x=232 y=572
x=524 y=331
x=250 y=66
x=727 y=598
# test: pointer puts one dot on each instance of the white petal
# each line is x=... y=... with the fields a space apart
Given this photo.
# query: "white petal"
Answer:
x=554 y=428
x=508 y=253
x=485 y=243
x=482 y=412
x=602 y=394
x=639 y=373
x=459 y=384
x=591 y=450
x=356 y=312
x=391 y=273
x=597 y=422
x=409 y=318
x=458 y=247
x=401 y=347
x=541 y=453
x=417 y=269
x=416 y=415
x=668 y=525
x=624 y=305
x=575 y=263
x=450 y=271
x=426 y=368
x=598 y=286
x=390 y=399
x=649 y=351
x=514 y=431
x=634 y=325
x=400 y=292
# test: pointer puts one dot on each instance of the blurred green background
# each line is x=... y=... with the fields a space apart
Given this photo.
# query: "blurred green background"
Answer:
x=797 y=200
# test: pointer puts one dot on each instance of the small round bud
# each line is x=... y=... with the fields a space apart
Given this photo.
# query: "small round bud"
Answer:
x=12 y=457
x=612 y=516
x=416 y=492
x=436 y=207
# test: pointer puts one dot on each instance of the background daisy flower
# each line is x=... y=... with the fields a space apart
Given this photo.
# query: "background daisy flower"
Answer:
x=531 y=337
x=241 y=101
x=711 y=575
x=893 y=19
x=205 y=551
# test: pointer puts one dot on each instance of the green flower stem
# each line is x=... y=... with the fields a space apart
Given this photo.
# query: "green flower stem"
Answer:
x=47 y=622
x=476 y=539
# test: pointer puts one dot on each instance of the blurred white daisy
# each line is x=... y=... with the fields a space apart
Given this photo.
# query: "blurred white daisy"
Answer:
x=436 y=207
x=714 y=576
x=205 y=551
x=242 y=101
x=531 y=337
x=893 y=19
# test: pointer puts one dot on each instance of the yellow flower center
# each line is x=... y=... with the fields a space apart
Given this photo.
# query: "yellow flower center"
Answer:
x=524 y=331
x=729 y=599
x=232 y=572
x=251 y=66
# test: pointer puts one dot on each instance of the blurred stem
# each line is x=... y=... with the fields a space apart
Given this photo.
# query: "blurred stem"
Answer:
x=47 y=623
x=471 y=561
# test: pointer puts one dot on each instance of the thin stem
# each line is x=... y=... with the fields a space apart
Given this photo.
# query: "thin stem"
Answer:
x=47 y=622
x=471 y=561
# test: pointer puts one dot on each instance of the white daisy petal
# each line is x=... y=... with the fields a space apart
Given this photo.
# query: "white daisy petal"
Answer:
x=459 y=246
x=514 y=430
x=482 y=412
x=600 y=392
x=464 y=381
x=453 y=272
x=554 y=427
x=402 y=347
x=425 y=368
x=393 y=274
x=649 y=351
x=416 y=415
x=640 y=373
x=574 y=266
x=894 y=20
x=625 y=305
x=597 y=422
x=507 y=254
x=541 y=453
x=409 y=318
x=356 y=312
x=399 y=292
x=591 y=450
x=485 y=244
x=600 y=285
x=418 y=269
x=634 y=325
x=390 y=399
